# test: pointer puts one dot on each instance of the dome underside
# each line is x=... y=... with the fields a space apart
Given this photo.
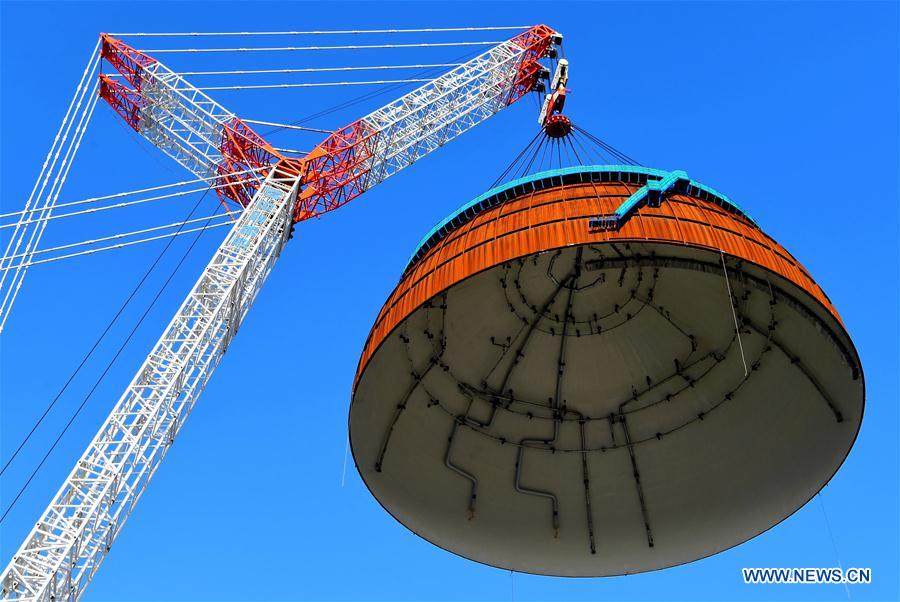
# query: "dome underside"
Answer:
x=605 y=383
x=545 y=396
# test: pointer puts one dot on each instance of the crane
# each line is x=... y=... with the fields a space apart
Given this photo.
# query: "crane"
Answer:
x=551 y=119
x=63 y=551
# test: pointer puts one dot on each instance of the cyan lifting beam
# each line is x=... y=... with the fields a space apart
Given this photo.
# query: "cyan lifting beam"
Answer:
x=651 y=193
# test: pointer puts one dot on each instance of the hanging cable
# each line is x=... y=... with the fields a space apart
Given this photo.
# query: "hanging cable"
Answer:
x=367 y=96
x=304 y=48
x=316 y=84
x=91 y=62
x=140 y=191
x=103 y=374
x=837 y=556
x=609 y=148
x=572 y=140
x=125 y=244
x=319 y=32
x=546 y=151
x=502 y=176
x=591 y=152
x=97 y=342
x=541 y=145
x=737 y=328
x=308 y=70
x=283 y=126
x=94 y=241
x=14 y=284
x=346 y=453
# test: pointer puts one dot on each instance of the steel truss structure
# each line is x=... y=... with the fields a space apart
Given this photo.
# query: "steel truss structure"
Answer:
x=69 y=541
x=73 y=535
x=186 y=124
x=367 y=152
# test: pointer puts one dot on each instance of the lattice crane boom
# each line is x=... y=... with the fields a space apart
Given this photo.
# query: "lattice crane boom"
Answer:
x=207 y=139
x=186 y=124
x=73 y=535
x=368 y=151
x=69 y=541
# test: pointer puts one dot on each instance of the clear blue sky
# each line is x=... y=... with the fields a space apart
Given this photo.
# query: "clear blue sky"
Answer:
x=790 y=109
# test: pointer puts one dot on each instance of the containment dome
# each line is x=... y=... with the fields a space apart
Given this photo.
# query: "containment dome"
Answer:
x=602 y=370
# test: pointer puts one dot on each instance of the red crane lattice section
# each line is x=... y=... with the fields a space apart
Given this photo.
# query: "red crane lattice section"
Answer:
x=245 y=159
x=333 y=173
x=126 y=60
x=335 y=170
x=536 y=44
x=124 y=101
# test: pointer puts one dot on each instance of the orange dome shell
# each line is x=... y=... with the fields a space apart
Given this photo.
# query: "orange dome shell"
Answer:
x=557 y=384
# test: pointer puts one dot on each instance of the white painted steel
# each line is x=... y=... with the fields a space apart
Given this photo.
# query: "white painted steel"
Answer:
x=223 y=219
x=43 y=199
x=66 y=546
x=318 y=32
x=371 y=82
x=428 y=117
x=118 y=195
x=307 y=48
x=68 y=543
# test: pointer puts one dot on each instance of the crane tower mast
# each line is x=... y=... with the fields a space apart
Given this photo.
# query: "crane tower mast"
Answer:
x=63 y=551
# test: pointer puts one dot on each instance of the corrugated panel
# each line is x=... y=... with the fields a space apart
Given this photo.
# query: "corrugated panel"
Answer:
x=669 y=210
x=658 y=227
x=546 y=219
x=687 y=211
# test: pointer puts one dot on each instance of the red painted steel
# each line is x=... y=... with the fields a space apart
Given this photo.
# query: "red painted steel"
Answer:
x=334 y=172
x=124 y=101
x=336 y=169
x=536 y=42
x=243 y=150
x=125 y=59
x=557 y=126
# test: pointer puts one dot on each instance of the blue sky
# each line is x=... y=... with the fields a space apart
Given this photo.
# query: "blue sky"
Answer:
x=788 y=108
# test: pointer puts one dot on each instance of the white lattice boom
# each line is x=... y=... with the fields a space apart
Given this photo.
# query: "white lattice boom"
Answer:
x=426 y=118
x=398 y=134
x=66 y=546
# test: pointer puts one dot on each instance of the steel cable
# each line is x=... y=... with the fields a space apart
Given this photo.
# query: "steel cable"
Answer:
x=108 y=366
x=363 y=97
x=59 y=132
x=127 y=244
x=93 y=241
x=306 y=48
x=36 y=232
x=140 y=191
x=309 y=70
x=316 y=84
x=320 y=32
